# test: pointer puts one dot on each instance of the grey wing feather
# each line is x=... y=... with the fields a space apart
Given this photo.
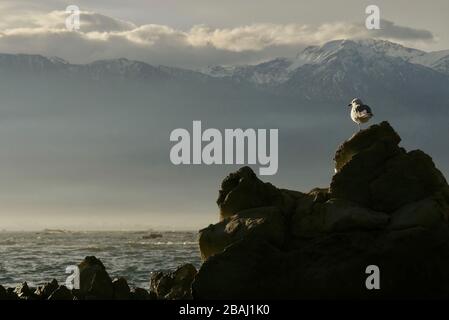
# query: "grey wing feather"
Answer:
x=362 y=108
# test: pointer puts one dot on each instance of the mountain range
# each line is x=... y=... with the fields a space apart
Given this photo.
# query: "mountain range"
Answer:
x=333 y=71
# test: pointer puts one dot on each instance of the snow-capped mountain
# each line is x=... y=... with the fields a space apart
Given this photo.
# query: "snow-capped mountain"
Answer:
x=282 y=69
x=336 y=70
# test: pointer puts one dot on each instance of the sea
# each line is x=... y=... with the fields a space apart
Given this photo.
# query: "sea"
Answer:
x=38 y=257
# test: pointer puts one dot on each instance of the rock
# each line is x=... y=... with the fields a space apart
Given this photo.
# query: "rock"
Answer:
x=121 y=289
x=95 y=282
x=174 y=285
x=373 y=171
x=61 y=293
x=24 y=292
x=7 y=294
x=45 y=290
x=406 y=178
x=142 y=294
x=263 y=222
x=377 y=135
x=337 y=215
x=427 y=213
x=242 y=190
x=385 y=207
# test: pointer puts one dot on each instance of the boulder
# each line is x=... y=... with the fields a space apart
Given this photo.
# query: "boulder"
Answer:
x=61 y=293
x=336 y=215
x=427 y=213
x=385 y=207
x=373 y=171
x=45 y=290
x=242 y=190
x=366 y=140
x=142 y=294
x=24 y=292
x=174 y=285
x=406 y=178
x=121 y=289
x=95 y=282
x=264 y=222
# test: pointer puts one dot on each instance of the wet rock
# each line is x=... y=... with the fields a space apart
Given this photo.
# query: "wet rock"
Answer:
x=45 y=290
x=242 y=190
x=121 y=289
x=264 y=222
x=174 y=285
x=61 y=293
x=25 y=292
x=95 y=282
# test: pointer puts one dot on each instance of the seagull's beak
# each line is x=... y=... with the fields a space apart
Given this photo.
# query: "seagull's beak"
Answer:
x=349 y=105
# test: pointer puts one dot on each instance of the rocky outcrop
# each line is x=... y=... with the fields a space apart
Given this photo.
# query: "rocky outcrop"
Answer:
x=264 y=223
x=242 y=190
x=384 y=206
x=174 y=285
x=95 y=282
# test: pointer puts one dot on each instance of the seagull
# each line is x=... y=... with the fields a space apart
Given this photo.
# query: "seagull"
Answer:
x=360 y=113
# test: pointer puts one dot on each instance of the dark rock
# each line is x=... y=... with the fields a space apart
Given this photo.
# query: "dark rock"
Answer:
x=174 y=285
x=142 y=294
x=336 y=215
x=25 y=292
x=373 y=171
x=121 y=289
x=242 y=190
x=264 y=222
x=426 y=213
x=385 y=207
x=95 y=282
x=61 y=293
x=45 y=290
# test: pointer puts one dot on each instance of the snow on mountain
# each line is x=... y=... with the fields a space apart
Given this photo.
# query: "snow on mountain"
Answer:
x=281 y=70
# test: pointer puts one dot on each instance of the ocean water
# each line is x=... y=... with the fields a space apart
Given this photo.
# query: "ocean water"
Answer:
x=38 y=257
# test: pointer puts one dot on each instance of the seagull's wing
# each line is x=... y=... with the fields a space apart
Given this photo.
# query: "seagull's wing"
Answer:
x=363 y=109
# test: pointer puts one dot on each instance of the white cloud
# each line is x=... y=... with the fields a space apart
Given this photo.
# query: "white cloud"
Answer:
x=103 y=37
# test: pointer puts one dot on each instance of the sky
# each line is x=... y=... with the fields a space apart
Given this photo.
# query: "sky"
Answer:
x=199 y=33
x=63 y=169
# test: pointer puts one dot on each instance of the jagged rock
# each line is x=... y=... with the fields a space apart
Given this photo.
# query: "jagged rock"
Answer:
x=373 y=171
x=406 y=178
x=426 y=213
x=382 y=138
x=174 y=285
x=121 y=289
x=95 y=282
x=385 y=206
x=61 y=293
x=264 y=222
x=336 y=215
x=329 y=267
x=242 y=190
x=142 y=294
x=25 y=292
x=45 y=290
x=7 y=294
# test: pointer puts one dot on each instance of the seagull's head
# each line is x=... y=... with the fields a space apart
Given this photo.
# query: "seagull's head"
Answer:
x=355 y=101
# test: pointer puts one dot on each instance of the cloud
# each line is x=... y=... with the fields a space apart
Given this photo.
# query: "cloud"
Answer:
x=102 y=37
